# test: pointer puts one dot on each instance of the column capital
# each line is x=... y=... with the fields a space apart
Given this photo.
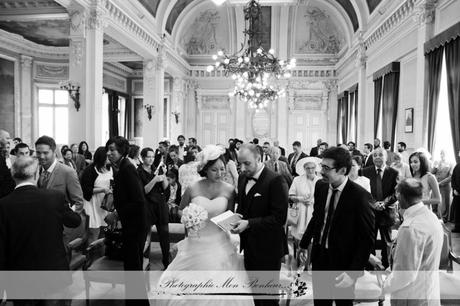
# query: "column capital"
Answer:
x=425 y=11
x=26 y=61
x=331 y=85
x=96 y=16
x=77 y=21
x=361 y=56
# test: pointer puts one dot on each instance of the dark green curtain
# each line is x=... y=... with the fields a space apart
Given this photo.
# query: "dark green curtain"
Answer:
x=377 y=100
x=453 y=90
x=432 y=87
x=390 y=106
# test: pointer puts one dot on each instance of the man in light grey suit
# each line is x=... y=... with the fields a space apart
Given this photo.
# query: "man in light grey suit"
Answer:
x=56 y=176
x=277 y=165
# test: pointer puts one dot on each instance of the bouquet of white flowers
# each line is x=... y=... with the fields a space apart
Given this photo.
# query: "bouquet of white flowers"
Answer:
x=193 y=218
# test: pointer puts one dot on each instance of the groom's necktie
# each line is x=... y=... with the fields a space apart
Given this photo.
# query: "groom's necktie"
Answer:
x=330 y=213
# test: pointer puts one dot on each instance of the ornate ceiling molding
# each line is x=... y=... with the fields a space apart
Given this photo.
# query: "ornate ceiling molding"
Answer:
x=124 y=21
x=19 y=44
x=119 y=69
x=402 y=13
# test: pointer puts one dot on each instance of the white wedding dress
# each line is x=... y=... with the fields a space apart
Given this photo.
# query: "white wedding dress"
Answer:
x=211 y=255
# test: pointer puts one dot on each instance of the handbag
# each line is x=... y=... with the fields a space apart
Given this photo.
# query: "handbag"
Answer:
x=113 y=243
x=293 y=215
x=107 y=203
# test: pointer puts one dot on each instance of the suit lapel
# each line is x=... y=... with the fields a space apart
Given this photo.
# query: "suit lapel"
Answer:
x=253 y=190
x=53 y=176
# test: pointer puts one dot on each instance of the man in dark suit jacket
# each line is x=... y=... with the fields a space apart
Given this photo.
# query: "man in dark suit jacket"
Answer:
x=31 y=227
x=6 y=181
x=129 y=202
x=383 y=184
x=295 y=156
x=342 y=229
x=367 y=155
x=262 y=203
x=314 y=151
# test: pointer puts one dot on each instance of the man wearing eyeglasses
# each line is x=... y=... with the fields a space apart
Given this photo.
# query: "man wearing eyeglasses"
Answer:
x=342 y=230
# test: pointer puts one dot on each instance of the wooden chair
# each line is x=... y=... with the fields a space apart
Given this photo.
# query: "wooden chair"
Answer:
x=78 y=242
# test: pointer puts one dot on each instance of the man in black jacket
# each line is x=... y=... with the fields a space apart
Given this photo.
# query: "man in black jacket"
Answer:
x=31 y=226
x=6 y=181
x=129 y=202
x=456 y=199
x=342 y=229
x=383 y=180
x=262 y=203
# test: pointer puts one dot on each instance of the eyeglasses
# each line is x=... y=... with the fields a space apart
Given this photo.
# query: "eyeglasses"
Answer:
x=326 y=168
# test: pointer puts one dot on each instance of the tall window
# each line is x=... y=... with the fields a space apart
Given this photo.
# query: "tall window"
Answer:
x=53 y=114
x=105 y=118
x=443 y=132
x=122 y=116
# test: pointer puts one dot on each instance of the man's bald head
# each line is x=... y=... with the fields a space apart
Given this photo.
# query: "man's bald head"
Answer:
x=4 y=135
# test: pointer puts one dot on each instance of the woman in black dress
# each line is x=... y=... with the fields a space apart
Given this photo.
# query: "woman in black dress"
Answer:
x=155 y=184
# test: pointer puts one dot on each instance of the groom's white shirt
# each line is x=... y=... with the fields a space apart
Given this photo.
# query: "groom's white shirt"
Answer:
x=251 y=183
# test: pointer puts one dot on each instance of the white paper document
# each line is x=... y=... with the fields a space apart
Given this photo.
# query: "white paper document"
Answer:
x=225 y=219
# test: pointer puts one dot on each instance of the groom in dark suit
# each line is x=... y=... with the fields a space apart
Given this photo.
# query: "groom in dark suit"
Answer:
x=342 y=229
x=262 y=203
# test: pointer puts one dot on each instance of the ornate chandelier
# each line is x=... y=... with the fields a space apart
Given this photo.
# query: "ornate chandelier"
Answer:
x=254 y=70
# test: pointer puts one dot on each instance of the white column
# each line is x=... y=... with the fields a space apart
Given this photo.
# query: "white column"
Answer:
x=361 y=59
x=152 y=129
x=86 y=69
x=332 y=112
x=424 y=16
x=26 y=125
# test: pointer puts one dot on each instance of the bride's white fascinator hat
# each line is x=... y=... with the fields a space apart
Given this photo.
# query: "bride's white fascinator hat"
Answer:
x=210 y=152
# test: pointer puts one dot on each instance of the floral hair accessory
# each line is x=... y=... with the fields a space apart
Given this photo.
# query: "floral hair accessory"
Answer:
x=210 y=152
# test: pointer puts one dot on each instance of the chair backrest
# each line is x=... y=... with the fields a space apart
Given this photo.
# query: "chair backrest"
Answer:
x=446 y=247
x=82 y=231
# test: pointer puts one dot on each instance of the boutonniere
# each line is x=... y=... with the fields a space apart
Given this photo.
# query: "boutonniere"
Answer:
x=257 y=195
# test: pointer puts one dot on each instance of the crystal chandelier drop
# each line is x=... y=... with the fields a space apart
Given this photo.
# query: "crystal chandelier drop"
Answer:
x=254 y=70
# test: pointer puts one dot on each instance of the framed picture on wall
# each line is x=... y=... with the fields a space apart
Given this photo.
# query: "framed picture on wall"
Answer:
x=409 y=120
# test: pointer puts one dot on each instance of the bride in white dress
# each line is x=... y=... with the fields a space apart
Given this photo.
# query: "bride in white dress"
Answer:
x=212 y=248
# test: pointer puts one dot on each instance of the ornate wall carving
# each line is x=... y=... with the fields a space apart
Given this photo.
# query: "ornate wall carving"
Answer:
x=215 y=102
x=51 y=71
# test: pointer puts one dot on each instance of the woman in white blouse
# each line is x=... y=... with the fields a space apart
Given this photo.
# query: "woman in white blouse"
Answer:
x=353 y=175
x=301 y=193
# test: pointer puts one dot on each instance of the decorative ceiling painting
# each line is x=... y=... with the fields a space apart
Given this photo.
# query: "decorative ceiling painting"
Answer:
x=175 y=12
x=316 y=32
x=206 y=32
x=45 y=32
x=151 y=6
